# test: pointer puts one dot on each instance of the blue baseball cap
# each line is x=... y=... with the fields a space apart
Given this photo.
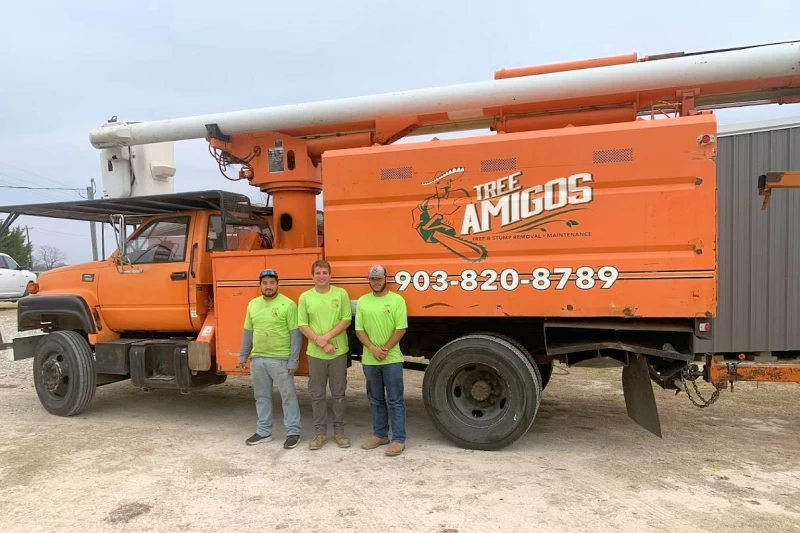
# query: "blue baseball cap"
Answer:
x=268 y=272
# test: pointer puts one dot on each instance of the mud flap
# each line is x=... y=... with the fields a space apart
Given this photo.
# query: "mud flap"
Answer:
x=639 y=397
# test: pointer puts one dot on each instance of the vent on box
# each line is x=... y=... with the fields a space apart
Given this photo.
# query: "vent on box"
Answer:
x=491 y=165
x=618 y=155
x=399 y=173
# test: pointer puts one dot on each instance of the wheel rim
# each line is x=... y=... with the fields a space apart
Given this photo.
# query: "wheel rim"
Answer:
x=55 y=376
x=478 y=394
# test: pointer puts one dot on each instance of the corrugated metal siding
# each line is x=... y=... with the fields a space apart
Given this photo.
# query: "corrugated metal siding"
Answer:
x=759 y=251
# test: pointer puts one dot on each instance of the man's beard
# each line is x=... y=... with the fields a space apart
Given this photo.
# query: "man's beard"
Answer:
x=380 y=290
x=269 y=293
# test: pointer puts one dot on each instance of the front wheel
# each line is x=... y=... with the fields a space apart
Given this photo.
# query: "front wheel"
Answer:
x=481 y=392
x=64 y=374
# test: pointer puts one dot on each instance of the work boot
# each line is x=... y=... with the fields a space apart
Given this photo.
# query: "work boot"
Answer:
x=258 y=439
x=318 y=442
x=373 y=442
x=342 y=440
x=395 y=448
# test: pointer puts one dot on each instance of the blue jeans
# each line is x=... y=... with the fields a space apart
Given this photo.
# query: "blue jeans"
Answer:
x=264 y=371
x=388 y=378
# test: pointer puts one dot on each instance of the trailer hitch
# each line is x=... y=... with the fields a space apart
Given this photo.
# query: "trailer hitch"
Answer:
x=690 y=374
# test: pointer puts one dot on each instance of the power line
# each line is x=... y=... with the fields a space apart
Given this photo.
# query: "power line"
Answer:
x=31 y=183
x=33 y=174
x=56 y=232
x=40 y=188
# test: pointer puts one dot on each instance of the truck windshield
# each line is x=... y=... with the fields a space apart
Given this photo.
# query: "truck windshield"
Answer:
x=11 y=263
x=239 y=235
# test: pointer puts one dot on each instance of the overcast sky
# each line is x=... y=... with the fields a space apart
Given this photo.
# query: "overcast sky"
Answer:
x=66 y=67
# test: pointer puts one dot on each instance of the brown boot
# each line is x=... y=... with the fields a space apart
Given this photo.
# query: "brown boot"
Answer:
x=373 y=442
x=395 y=448
x=318 y=442
x=342 y=440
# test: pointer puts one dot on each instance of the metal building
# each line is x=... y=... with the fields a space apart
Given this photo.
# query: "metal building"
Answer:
x=758 y=251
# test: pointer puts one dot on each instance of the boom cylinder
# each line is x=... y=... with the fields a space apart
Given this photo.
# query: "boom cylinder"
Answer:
x=563 y=67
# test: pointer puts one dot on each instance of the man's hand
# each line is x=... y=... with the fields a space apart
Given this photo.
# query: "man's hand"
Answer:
x=321 y=341
x=379 y=352
x=241 y=366
x=329 y=348
x=291 y=370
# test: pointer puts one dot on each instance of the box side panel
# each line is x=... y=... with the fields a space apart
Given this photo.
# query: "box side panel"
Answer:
x=599 y=221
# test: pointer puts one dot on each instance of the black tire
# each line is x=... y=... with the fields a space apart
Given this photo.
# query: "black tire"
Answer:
x=64 y=373
x=545 y=370
x=482 y=365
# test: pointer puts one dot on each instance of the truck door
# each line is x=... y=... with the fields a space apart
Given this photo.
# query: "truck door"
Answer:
x=154 y=294
x=6 y=278
x=18 y=279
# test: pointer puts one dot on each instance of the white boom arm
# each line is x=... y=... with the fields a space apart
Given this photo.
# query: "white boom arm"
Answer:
x=465 y=103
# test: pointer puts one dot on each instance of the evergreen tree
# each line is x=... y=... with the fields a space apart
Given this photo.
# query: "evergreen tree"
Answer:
x=13 y=243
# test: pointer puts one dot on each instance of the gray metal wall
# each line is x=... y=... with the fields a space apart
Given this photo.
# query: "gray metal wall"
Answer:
x=758 y=251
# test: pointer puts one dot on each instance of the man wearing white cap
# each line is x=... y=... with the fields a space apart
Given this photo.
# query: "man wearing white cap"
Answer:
x=381 y=321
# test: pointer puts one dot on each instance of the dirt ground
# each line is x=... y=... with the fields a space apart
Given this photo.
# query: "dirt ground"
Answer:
x=160 y=461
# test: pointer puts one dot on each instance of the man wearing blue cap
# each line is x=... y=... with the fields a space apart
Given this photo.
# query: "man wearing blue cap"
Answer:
x=272 y=340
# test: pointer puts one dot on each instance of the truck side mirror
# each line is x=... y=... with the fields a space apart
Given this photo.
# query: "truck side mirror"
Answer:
x=121 y=259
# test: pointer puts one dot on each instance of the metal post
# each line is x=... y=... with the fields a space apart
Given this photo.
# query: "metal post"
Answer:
x=90 y=194
x=30 y=254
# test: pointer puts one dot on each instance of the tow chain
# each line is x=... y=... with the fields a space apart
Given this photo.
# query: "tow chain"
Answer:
x=689 y=376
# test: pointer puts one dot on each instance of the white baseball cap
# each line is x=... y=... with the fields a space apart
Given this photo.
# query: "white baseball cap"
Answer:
x=376 y=271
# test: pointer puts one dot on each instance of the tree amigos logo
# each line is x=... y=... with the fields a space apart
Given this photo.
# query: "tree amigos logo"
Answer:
x=450 y=217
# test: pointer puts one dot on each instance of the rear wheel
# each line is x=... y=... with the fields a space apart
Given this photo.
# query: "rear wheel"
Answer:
x=545 y=369
x=64 y=374
x=482 y=392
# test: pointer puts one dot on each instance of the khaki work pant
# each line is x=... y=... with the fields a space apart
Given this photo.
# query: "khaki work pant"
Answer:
x=322 y=373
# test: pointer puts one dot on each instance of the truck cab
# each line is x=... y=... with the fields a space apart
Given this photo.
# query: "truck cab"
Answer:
x=159 y=279
x=146 y=312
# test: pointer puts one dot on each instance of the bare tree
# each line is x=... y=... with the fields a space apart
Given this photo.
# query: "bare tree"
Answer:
x=262 y=199
x=50 y=256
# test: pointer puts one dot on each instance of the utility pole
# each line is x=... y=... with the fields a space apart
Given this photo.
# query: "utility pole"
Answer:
x=90 y=194
x=30 y=254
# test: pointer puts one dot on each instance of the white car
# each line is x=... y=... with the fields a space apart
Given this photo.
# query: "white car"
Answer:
x=14 y=279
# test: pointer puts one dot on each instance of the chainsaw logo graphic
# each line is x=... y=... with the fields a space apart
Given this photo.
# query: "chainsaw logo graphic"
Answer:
x=435 y=219
x=503 y=206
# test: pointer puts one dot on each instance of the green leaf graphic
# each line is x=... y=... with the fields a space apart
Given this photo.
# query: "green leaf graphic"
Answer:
x=530 y=224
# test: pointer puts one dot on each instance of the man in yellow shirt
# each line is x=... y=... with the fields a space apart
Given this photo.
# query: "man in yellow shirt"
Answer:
x=381 y=321
x=324 y=315
x=272 y=341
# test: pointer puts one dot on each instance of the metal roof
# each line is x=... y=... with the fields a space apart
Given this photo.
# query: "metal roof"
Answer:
x=137 y=208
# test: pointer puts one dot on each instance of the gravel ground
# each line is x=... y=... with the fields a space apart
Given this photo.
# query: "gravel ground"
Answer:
x=160 y=461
